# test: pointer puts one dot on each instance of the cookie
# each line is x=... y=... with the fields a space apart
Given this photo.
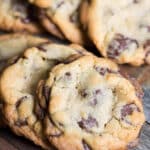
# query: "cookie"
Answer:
x=65 y=14
x=12 y=45
x=17 y=15
x=91 y=106
x=18 y=87
x=121 y=29
x=49 y=25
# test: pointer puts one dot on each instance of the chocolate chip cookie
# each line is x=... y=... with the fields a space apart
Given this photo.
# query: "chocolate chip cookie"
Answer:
x=91 y=106
x=65 y=14
x=18 y=87
x=12 y=45
x=121 y=29
x=17 y=15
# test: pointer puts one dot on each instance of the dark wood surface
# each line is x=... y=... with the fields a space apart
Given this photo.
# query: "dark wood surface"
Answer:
x=9 y=141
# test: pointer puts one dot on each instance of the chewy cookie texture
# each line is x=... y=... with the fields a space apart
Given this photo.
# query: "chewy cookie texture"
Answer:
x=18 y=88
x=120 y=29
x=64 y=14
x=11 y=46
x=91 y=106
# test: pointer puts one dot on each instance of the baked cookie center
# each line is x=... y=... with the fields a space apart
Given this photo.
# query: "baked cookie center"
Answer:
x=86 y=100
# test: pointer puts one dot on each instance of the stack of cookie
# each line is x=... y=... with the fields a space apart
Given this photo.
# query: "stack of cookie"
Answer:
x=119 y=30
x=63 y=96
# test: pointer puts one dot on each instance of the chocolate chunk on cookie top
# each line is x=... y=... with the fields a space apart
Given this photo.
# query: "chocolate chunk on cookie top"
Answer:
x=92 y=105
x=120 y=29
x=18 y=85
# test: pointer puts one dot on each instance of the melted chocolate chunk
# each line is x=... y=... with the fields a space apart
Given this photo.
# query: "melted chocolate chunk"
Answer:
x=97 y=92
x=46 y=93
x=20 y=123
x=20 y=101
x=88 y=123
x=84 y=93
x=102 y=71
x=119 y=44
x=85 y=146
x=128 y=109
x=68 y=74
x=93 y=102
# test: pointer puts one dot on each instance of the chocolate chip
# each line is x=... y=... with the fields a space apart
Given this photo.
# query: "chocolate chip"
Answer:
x=84 y=93
x=128 y=109
x=102 y=71
x=20 y=123
x=85 y=145
x=20 y=101
x=67 y=76
x=46 y=93
x=88 y=123
x=119 y=44
x=98 y=92
x=93 y=102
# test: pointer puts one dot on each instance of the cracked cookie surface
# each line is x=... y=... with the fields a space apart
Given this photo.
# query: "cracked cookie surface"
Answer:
x=121 y=29
x=91 y=106
x=15 y=16
x=18 y=87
